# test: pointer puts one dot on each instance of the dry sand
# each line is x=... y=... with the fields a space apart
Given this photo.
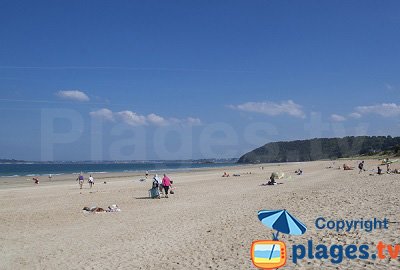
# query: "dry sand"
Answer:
x=209 y=223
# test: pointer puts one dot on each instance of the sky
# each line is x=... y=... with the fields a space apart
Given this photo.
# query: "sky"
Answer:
x=144 y=80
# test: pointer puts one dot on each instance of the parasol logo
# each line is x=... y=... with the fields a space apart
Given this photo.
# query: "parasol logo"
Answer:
x=271 y=254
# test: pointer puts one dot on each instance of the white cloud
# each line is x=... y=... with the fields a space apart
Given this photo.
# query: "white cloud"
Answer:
x=157 y=120
x=193 y=121
x=103 y=113
x=355 y=115
x=384 y=109
x=131 y=118
x=135 y=119
x=337 y=118
x=271 y=108
x=75 y=95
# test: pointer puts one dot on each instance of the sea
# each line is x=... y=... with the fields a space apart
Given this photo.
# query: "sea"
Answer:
x=40 y=169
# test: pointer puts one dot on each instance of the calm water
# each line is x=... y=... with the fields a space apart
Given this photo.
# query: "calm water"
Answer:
x=8 y=170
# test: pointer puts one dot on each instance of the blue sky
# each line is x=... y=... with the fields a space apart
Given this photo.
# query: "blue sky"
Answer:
x=84 y=80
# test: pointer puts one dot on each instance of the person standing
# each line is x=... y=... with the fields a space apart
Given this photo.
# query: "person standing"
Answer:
x=166 y=182
x=147 y=174
x=91 y=181
x=80 y=179
x=159 y=181
x=154 y=191
x=361 y=166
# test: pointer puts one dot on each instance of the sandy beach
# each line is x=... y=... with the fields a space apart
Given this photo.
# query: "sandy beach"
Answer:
x=209 y=223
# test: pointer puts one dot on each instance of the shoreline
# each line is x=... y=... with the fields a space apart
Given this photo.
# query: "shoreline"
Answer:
x=26 y=181
x=85 y=168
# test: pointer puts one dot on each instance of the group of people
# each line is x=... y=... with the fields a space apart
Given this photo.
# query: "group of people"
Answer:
x=161 y=187
x=299 y=172
x=81 y=180
x=361 y=167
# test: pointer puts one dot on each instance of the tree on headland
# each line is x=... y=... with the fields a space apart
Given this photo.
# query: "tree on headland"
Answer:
x=323 y=148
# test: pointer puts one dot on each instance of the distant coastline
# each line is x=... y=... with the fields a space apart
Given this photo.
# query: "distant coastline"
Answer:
x=204 y=161
x=323 y=149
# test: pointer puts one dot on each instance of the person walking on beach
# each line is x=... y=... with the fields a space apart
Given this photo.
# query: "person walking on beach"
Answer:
x=147 y=174
x=155 y=191
x=361 y=166
x=80 y=179
x=159 y=181
x=166 y=182
x=91 y=181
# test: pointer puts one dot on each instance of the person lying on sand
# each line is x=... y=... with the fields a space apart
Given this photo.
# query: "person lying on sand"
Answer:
x=93 y=209
x=225 y=174
x=347 y=168
x=113 y=208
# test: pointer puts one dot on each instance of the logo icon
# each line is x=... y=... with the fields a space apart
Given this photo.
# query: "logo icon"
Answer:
x=268 y=254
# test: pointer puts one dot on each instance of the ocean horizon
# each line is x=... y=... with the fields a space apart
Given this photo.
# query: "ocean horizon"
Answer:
x=60 y=168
